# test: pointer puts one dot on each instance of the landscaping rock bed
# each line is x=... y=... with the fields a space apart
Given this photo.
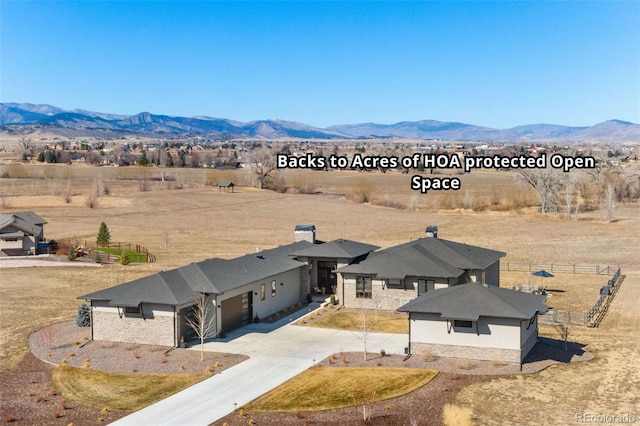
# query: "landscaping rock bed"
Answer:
x=66 y=341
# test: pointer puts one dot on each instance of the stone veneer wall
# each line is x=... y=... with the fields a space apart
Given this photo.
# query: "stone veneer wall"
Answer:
x=107 y=325
x=305 y=283
x=468 y=352
x=388 y=298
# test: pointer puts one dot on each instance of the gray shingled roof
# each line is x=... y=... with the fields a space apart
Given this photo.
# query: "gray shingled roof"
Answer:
x=472 y=301
x=28 y=222
x=425 y=257
x=336 y=249
x=215 y=276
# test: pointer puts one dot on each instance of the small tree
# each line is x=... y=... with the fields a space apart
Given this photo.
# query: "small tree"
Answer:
x=83 y=317
x=203 y=322
x=363 y=331
x=563 y=329
x=104 y=236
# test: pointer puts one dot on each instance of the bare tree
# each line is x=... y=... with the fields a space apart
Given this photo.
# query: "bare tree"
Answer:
x=365 y=398
x=363 y=331
x=68 y=192
x=609 y=200
x=263 y=165
x=547 y=183
x=165 y=236
x=563 y=329
x=203 y=322
x=25 y=146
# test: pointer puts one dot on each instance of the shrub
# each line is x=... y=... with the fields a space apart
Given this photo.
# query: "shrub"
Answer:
x=363 y=191
x=125 y=259
x=57 y=413
x=452 y=415
x=8 y=417
x=83 y=316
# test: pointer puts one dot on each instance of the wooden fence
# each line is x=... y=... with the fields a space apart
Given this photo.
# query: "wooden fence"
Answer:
x=559 y=268
x=66 y=245
x=594 y=316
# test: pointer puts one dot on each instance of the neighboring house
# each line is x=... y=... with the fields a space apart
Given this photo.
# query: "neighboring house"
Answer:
x=391 y=277
x=20 y=233
x=475 y=321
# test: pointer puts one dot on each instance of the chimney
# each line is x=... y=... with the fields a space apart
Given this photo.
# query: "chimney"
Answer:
x=305 y=233
x=432 y=231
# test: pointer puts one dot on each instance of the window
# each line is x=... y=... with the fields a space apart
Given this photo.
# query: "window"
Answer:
x=273 y=288
x=462 y=323
x=363 y=287
x=395 y=283
x=262 y=291
x=132 y=310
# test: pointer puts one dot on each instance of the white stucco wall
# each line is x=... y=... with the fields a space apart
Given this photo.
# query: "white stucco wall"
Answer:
x=499 y=333
x=287 y=293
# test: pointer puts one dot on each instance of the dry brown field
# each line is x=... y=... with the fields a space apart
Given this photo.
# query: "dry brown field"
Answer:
x=197 y=222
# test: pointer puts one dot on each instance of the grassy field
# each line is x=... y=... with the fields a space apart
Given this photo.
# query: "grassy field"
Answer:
x=197 y=222
x=325 y=388
x=119 y=391
x=380 y=322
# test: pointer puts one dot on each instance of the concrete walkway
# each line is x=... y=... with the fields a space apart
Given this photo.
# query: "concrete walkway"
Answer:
x=277 y=353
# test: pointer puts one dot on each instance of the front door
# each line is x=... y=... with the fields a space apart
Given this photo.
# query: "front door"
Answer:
x=327 y=280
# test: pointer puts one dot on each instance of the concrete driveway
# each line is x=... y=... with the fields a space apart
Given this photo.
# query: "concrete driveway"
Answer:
x=277 y=353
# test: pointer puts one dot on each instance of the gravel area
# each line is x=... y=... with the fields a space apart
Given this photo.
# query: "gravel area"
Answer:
x=27 y=395
x=69 y=342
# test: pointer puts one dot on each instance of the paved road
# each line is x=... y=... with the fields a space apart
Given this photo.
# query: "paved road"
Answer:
x=276 y=355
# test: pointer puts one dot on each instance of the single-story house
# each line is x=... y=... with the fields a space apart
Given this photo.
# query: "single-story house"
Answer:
x=153 y=309
x=20 y=233
x=475 y=321
x=391 y=277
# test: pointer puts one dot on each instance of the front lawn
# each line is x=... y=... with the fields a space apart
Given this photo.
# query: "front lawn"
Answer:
x=119 y=391
x=324 y=388
x=134 y=256
x=345 y=319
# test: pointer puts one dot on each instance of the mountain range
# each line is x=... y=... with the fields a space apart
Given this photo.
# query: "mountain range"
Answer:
x=22 y=117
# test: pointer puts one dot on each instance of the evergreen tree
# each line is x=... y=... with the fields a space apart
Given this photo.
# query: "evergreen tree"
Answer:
x=143 y=161
x=103 y=235
x=83 y=317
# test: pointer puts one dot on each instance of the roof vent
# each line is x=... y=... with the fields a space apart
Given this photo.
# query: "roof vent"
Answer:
x=432 y=231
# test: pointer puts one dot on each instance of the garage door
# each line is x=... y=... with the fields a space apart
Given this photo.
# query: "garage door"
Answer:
x=236 y=312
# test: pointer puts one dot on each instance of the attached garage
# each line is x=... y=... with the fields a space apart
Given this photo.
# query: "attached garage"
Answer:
x=236 y=312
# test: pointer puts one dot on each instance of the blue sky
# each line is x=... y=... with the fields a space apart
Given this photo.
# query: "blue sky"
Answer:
x=497 y=64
